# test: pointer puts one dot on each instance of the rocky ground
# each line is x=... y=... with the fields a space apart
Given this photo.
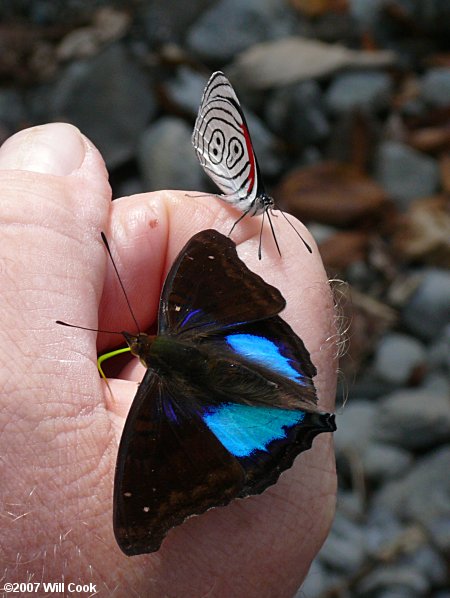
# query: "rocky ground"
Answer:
x=348 y=103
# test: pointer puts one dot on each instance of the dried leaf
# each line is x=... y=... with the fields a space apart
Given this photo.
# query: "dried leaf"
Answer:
x=430 y=139
x=316 y=8
x=331 y=193
x=108 y=24
x=424 y=232
x=342 y=249
x=293 y=59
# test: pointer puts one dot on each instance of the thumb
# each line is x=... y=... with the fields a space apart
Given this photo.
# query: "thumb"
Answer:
x=55 y=200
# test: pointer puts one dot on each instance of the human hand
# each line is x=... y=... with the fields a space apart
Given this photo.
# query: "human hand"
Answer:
x=59 y=426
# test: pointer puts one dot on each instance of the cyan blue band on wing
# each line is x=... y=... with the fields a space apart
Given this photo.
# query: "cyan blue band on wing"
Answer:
x=264 y=352
x=243 y=429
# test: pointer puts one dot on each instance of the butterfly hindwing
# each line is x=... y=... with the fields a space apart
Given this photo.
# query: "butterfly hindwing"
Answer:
x=169 y=466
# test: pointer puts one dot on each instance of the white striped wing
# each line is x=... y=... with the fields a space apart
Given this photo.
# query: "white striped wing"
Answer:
x=223 y=145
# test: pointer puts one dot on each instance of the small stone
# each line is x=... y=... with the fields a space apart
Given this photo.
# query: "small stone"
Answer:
x=436 y=87
x=423 y=496
x=165 y=24
x=344 y=549
x=385 y=462
x=428 y=309
x=315 y=582
x=439 y=352
x=295 y=112
x=359 y=91
x=356 y=427
x=437 y=383
x=166 y=157
x=186 y=90
x=13 y=113
x=430 y=563
x=231 y=26
x=366 y=12
x=414 y=419
x=321 y=232
x=397 y=356
x=397 y=577
x=383 y=529
x=108 y=98
x=405 y=173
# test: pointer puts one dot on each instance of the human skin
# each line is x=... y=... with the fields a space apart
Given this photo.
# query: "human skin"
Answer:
x=60 y=426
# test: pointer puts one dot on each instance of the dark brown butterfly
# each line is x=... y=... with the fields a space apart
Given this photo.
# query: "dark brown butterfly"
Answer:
x=227 y=401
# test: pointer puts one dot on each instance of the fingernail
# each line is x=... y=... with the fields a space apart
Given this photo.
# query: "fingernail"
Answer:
x=56 y=148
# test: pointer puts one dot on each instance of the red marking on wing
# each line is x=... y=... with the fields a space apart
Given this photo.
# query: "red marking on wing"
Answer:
x=251 y=154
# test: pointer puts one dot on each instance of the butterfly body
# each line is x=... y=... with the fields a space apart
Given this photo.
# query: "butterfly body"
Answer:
x=227 y=401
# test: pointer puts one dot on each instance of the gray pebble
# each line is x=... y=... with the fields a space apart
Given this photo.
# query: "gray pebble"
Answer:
x=414 y=419
x=405 y=173
x=296 y=113
x=344 y=549
x=316 y=582
x=396 y=357
x=387 y=577
x=435 y=86
x=351 y=504
x=430 y=563
x=428 y=309
x=356 y=427
x=383 y=461
x=231 y=26
x=13 y=113
x=439 y=351
x=366 y=12
x=166 y=157
x=423 y=495
x=383 y=528
x=363 y=91
x=437 y=383
x=186 y=90
x=165 y=22
x=109 y=99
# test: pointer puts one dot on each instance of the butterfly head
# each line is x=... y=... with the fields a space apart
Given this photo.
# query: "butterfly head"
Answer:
x=263 y=203
x=140 y=345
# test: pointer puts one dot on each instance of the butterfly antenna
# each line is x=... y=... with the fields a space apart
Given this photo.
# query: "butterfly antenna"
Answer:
x=61 y=323
x=273 y=232
x=296 y=231
x=105 y=242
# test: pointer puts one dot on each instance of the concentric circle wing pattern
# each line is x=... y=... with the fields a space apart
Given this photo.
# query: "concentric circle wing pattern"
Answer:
x=224 y=148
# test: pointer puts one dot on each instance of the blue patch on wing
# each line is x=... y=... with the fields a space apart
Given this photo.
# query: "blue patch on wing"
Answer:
x=264 y=352
x=243 y=429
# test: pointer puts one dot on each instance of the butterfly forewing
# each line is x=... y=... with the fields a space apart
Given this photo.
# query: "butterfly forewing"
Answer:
x=222 y=141
x=209 y=288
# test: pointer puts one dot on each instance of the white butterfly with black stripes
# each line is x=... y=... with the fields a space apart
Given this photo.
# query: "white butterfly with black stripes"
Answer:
x=224 y=148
